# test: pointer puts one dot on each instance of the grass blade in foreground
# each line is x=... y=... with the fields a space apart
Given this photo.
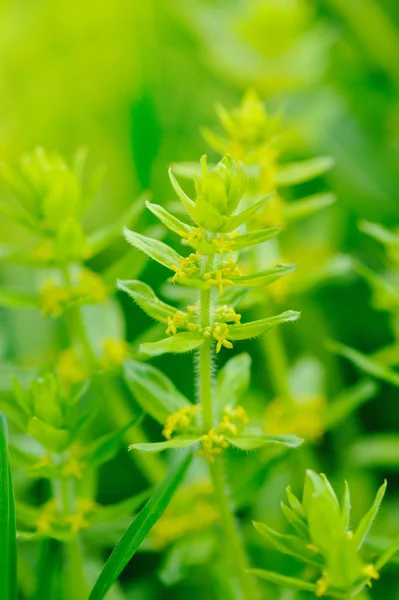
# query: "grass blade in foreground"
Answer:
x=138 y=530
x=8 y=561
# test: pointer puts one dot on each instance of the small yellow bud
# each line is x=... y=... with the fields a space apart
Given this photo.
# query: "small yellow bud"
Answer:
x=321 y=587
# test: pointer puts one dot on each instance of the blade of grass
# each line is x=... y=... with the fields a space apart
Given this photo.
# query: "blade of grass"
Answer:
x=8 y=538
x=142 y=524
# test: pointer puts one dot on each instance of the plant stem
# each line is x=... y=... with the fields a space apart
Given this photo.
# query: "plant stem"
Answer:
x=236 y=552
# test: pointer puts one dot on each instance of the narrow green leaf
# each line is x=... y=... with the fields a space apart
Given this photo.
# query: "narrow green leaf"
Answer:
x=348 y=401
x=297 y=523
x=256 y=328
x=139 y=529
x=253 y=438
x=283 y=580
x=379 y=450
x=246 y=240
x=346 y=507
x=148 y=301
x=305 y=207
x=367 y=521
x=263 y=277
x=380 y=233
x=235 y=221
x=295 y=504
x=233 y=380
x=181 y=194
x=299 y=172
x=11 y=299
x=8 y=554
x=289 y=544
x=153 y=390
x=101 y=238
x=170 y=221
x=187 y=170
x=155 y=249
x=176 y=443
x=176 y=344
x=388 y=554
x=365 y=363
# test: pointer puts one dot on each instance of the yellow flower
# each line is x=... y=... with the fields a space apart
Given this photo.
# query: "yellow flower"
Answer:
x=53 y=298
x=179 y=420
x=212 y=444
x=70 y=368
x=321 y=587
x=220 y=334
x=91 y=286
x=115 y=352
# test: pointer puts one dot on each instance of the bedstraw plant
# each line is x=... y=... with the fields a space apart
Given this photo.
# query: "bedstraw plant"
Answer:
x=220 y=212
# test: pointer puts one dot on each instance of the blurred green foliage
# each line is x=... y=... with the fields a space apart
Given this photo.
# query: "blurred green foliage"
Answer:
x=135 y=83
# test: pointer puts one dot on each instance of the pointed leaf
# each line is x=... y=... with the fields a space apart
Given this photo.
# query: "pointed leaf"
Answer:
x=148 y=301
x=299 y=172
x=233 y=380
x=348 y=401
x=246 y=240
x=380 y=233
x=235 y=221
x=289 y=544
x=155 y=249
x=367 y=521
x=295 y=504
x=153 y=390
x=365 y=363
x=181 y=194
x=297 y=523
x=263 y=277
x=305 y=207
x=253 y=438
x=50 y=437
x=176 y=344
x=170 y=221
x=346 y=507
x=256 y=328
x=139 y=529
x=101 y=238
x=177 y=442
x=283 y=580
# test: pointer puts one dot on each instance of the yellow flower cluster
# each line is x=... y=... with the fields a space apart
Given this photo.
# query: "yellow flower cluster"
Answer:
x=227 y=314
x=214 y=441
x=50 y=517
x=220 y=277
x=224 y=243
x=219 y=331
x=54 y=297
x=187 y=268
x=70 y=368
x=321 y=587
x=179 y=420
x=115 y=352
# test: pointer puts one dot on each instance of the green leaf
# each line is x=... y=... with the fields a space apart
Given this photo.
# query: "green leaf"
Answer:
x=297 y=523
x=139 y=529
x=346 y=507
x=255 y=328
x=155 y=249
x=348 y=401
x=101 y=238
x=187 y=170
x=153 y=390
x=283 y=580
x=148 y=301
x=185 y=200
x=388 y=554
x=289 y=544
x=235 y=221
x=176 y=344
x=176 y=443
x=8 y=548
x=119 y=510
x=376 y=450
x=106 y=447
x=233 y=381
x=299 y=172
x=263 y=277
x=11 y=299
x=246 y=240
x=168 y=220
x=367 y=521
x=365 y=363
x=50 y=437
x=305 y=207
x=253 y=438
x=295 y=504
x=380 y=233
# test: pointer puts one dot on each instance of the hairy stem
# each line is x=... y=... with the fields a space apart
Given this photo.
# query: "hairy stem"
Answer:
x=236 y=552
